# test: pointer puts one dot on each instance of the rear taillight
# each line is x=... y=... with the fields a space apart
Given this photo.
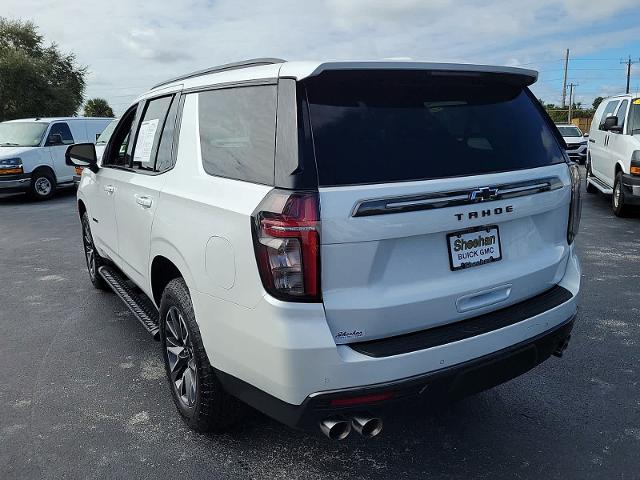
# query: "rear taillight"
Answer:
x=286 y=237
x=575 y=209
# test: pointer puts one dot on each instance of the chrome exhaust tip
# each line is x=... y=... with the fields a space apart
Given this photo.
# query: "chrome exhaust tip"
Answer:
x=367 y=426
x=335 y=428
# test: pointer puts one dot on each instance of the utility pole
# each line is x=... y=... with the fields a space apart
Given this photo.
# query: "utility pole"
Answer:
x=571 y=86
x=564 y=81
x=629 y=63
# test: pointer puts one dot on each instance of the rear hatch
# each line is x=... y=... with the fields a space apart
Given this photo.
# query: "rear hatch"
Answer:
x=443 y=196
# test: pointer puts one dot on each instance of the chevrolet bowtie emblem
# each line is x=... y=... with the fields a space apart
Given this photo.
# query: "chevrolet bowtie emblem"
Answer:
x=484 y=193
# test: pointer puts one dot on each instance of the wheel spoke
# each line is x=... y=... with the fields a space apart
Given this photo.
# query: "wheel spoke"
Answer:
x=172 y=323
x=179 y=350
x=177 y=364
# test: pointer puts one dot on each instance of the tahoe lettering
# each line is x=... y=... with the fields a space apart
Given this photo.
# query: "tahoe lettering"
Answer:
x=485 y=213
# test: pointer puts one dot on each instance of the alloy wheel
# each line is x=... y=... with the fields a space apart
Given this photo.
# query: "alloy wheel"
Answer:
x=617 y=193
x=89 y=249
x=180 y=356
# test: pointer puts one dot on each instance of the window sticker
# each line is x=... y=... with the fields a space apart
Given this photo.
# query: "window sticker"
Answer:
x=144 y=144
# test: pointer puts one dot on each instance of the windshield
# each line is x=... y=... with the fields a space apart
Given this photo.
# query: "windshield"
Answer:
x=106 y=133
x=570 y=131
x=21 y=134
x=386 y=126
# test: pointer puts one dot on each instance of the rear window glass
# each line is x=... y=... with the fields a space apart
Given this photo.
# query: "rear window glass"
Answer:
x=238 y=132
x=375 y=127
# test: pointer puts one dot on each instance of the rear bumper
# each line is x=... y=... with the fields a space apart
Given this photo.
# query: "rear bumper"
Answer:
x=277 y=356
x=446 y=384
x=15 y=183
x=578 y=154
x=631 y=185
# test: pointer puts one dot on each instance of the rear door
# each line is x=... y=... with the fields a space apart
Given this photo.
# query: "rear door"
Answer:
x=138 y=189
x=442 y=197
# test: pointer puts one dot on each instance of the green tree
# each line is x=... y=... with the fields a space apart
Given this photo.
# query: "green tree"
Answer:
x=597 y=101
x=97 y=107
x=36 y=80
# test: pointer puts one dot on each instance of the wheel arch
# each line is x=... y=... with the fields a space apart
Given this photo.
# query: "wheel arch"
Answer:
x=167 y=263
x=46 y=168
x=618 y=168
x=82 y=208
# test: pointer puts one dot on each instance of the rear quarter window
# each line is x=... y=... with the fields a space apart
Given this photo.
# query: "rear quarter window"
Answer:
x=237 y=132
x=391 y=126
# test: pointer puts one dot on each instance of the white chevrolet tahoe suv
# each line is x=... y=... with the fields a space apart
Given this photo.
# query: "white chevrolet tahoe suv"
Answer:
x=613 y=160
x=324 y=241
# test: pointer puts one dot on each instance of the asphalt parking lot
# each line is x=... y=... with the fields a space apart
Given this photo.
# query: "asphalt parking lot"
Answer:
x=83 y=393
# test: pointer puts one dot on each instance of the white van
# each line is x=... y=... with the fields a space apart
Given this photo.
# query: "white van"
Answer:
x=32 y=152
x=613 y=160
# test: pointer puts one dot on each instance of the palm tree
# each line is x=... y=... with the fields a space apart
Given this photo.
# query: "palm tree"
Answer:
x=97 y=107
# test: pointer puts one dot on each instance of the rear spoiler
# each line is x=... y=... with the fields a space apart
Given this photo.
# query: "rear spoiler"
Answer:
x=514 y=75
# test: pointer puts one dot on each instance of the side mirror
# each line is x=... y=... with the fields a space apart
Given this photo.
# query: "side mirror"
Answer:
x=54 y=139
x=610 y=123
x=586 y=135
x=82 y=155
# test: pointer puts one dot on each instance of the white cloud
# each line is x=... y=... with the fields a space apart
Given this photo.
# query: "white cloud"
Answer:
x=129 y=46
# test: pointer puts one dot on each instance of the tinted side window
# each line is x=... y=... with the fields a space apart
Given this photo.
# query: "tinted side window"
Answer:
x=63 y=130
x=165 y=158
x=237 y=132
x=149 y=131
x=116 y=152
x=622 y=112
x=608 y=111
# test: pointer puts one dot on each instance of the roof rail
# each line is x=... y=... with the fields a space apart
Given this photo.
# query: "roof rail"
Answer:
x=254 y=62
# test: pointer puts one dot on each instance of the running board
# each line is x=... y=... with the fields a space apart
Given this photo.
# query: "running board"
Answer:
x=604 y=188
x=139 y=304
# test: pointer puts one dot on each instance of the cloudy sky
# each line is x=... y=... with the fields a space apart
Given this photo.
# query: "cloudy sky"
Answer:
x=130 y=45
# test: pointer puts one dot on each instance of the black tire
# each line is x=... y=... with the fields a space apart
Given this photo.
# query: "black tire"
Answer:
x=618 y=200
x=94 y=260
x=589 y=187
x=205 y=407
x=42 y=186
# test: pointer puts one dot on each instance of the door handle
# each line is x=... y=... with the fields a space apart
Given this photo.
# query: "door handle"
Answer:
x=143 y=201
x=109 y=189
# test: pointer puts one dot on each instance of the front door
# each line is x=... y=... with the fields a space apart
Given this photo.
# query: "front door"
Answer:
x=104 y=186
x=58 y=139
x=138 y=192
x=599 y=154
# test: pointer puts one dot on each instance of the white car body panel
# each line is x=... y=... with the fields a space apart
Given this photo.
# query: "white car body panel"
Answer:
x=373 y=268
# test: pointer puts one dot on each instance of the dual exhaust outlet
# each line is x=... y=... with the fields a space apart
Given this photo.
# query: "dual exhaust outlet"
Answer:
x=339 y=428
